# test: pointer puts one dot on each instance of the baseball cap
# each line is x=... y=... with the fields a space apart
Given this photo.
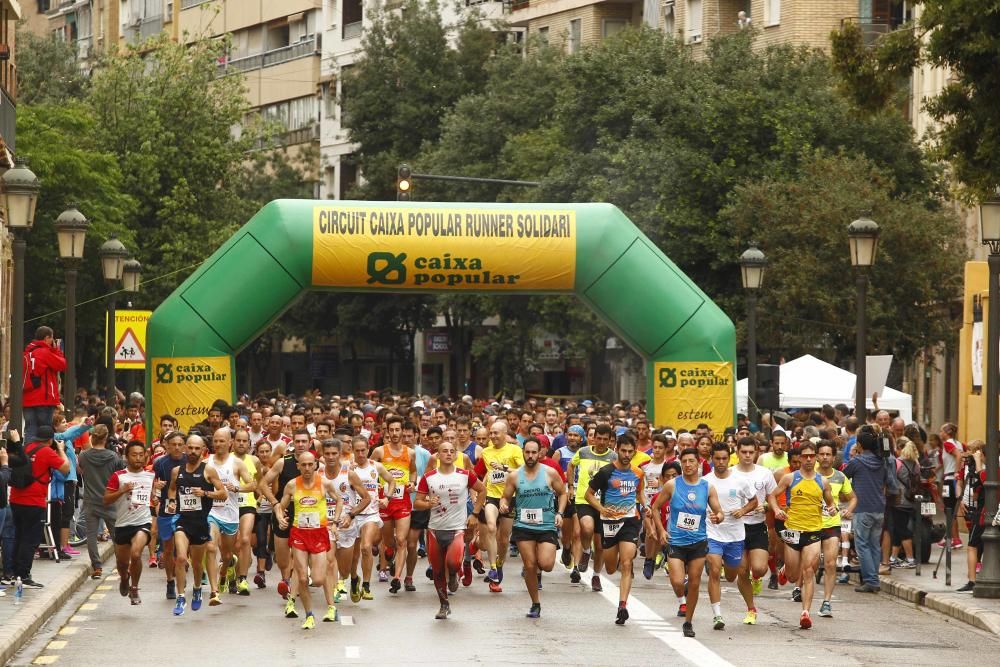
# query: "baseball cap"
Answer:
x=589 y=403
x=418 y=404
x=670 y=434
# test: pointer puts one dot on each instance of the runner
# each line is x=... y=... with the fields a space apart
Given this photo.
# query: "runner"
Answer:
x=248 y=511
x=263 y=524
x=539 y=502
x=652 y=472
x=130 y=490
x=369 y=522
x=343 y=559
x=309 y=535
x=422 y=455
x=444 y=492
x=620 y=485
x=401 y=463
x=755 y=543
x=726 y=539
x=808 y=498
x=224 y=519
x=690 y=497
x=575 y=439
x=192 y=489
x=588 y=460
x=497 y=461
x=167 y=523
x=840 y=489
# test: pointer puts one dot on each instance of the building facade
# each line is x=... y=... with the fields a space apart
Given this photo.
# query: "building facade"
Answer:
x=10 y=13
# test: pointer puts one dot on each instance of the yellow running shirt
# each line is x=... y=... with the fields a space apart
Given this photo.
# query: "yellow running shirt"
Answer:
x=508 y=456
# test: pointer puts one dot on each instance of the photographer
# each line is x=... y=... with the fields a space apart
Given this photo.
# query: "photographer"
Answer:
x=871 y=478
x=43 y=361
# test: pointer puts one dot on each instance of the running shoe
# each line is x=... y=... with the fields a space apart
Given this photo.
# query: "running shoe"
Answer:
x=907 y=564
x=772 y=583
x=956 y=543
x=366 y=592
x=567 y=558
x=283 y=589
x=804 y=621
x=659 y=561
x=196 y=599
x=179 y=607
x=796 y=594
x=467 y=573
x=495 y=587
x=574 y=576
x=394 y=586
x=595 y=584
x=268 y=561
x=535 y=611
x=408 y=585
x=123 y=584
x=443 y=612
x=539 y=581
x=171 y=590
x=331 y=614
x=758 y=585
x=242 y=587
x=214 y=600
x=682 y=610
x=647 y=568
x=513 y=551
x=355 y=589
x=782 y=579
x=492 y=577
x=97 y=574
x=688 y=630
x=260 y=580
x=825 y=610
x=342 y=586
x=452 y=582
x=967 y=588
x=133 y=595
x=231 y=572
x=718 y=623
x=153 y=563
x=477 y=565
x=309 y=623
x=584 y=562
x=844 y=579
x=499 y=573
x=751 y=617
x=622 y=616
x=383 y=576
x=290 y=609
x=73 y=552
x=429 y=573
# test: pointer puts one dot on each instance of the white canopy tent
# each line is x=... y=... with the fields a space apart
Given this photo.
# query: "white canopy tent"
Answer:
x=808 y=382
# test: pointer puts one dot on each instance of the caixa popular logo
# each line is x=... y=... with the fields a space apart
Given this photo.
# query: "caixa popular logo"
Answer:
x=169 y=373
x=387 y=268
x=685 y=378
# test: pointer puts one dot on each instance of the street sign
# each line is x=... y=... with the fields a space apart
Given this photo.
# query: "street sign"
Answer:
x=130 y=338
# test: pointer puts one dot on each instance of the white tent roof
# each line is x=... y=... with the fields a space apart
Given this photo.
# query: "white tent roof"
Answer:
x=808 y=382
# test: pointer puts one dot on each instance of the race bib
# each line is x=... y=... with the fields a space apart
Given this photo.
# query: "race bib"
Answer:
x=928 y=509
x=611 y=528
x=241 y=498
x=190 y=502
x=331 y=509
x=531 y=517
x=498 y=476
x=845 y=525
x=687 y=521
x=790 y=536
x=307 y=520
x=140 y=496
x=398 y=492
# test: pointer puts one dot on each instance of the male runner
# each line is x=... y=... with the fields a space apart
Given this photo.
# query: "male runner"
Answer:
x=401 y=463
x=130 y=490
x=651 y=485
x=620 y=485
x=497 y=461
x=224 y=519
x=808 y=498
x=192 y=489
x=755 y=543
x=539 y=502
x=355 y=499
x=725 y=539
x=422 y=455
x=248 y=510
x=843 y=493
x=588 y=460
x=444 y=492
x=690 y=497
x=369 y=522
x=166 y=523
x=575 y=438
x=309 y=536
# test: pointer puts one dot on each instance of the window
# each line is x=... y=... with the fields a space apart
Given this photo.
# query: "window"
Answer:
x=353 y=13
x=348 y=174
x=693 y=21
x=292 y=114
x=772 y=12
x=611 y=27
x=277 y=36
x=543 y=35
x=669 y=27
x=575 y=30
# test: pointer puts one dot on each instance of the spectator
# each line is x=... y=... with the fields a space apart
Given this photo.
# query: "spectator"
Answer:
x=908 y=478
x=870 y=477
x=950 y=455
x=43 y=361
x=62 y=495
x=6 y=522
x=971 y=479
x=97 y=464
x=28 y=504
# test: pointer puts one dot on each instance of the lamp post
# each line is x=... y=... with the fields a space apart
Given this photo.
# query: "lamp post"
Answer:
x=20 y=196
x=863 y=236
x=131 y=278
x=113 y=255
x=988 y=579
x=752 y=263
x=71 y=229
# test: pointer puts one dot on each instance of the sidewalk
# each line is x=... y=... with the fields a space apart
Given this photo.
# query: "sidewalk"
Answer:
x=926 y=591
x=19 y=623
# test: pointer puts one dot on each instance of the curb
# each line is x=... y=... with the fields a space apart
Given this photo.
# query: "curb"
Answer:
x=946 y=603
x=18 y=631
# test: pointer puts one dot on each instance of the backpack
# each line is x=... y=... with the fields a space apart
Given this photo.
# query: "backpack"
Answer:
x=913 y=485
x=21 y=473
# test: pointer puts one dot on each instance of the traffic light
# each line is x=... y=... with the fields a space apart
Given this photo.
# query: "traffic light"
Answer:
x=404 y=183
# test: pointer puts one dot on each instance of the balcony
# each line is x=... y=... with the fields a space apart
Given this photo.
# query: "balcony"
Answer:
x=187 y=4
x=302 y=135
x=873 y=27
x=8 y=117
x=352 y=30
x=269 y=58
x=519 y=4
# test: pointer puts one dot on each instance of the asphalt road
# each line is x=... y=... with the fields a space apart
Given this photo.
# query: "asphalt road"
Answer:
x=577 y=628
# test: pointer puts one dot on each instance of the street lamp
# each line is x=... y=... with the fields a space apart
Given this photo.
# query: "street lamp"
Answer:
x=752 y=263
x=988 y=579
x=113 y=255
x=19 y=198
x=863 y=236
x=132 y=275
x=71 y=229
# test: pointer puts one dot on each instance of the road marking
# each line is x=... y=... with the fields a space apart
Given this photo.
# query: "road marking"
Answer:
x=45 y=660
x=88 y=607
x=690 y=649
x=104 y=588
x=352 y=651
x=347 y=620
x=77 y=618
x=69 y=630
x=56 y=645
x=97 y=596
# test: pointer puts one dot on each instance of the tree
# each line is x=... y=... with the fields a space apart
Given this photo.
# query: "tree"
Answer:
x=47 y=70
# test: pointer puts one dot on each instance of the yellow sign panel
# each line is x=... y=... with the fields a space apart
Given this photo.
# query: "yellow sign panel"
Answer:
x=444 y=248
x=186 y=387
x=689 y=393
x=130 y=338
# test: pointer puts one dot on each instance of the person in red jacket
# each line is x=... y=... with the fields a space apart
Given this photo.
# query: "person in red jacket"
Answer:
x=43 y=361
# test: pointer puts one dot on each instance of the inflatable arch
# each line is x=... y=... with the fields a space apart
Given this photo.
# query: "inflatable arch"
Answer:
x=591 y=250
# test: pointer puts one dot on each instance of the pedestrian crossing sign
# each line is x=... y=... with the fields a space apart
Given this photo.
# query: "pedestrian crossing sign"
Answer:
x=130 y=339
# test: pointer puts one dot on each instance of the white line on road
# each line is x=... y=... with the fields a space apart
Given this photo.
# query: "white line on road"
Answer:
x=690 y=649
x=347 y=620
x=352 y=651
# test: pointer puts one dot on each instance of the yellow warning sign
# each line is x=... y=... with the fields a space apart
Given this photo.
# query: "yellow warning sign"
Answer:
x=444 y=248
x=130 y=338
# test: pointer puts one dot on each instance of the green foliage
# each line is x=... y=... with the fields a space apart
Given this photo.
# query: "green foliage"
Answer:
x=47 y=71
x=871 y=74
